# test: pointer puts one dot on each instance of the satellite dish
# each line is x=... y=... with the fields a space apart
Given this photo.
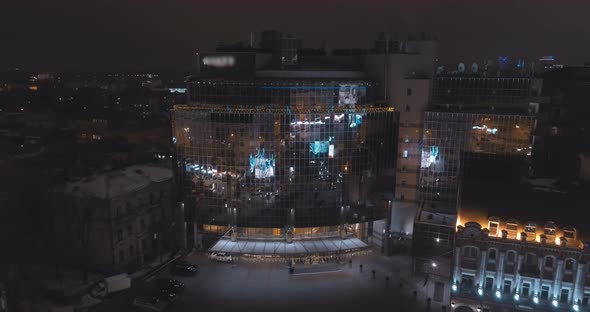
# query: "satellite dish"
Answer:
x=461 y=68
x=474 y=68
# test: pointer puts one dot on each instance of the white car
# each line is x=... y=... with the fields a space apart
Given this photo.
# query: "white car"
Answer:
x=221 y=257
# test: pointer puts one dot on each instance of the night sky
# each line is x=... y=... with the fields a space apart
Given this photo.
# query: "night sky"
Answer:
x=111 y=35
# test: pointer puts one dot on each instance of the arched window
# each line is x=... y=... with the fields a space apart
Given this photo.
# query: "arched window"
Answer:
x=510 y=256
x=492 y=254
x=549 y=262
x=569 y=264
x=470 y=251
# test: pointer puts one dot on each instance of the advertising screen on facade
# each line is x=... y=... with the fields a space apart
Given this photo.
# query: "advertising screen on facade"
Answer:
x=348 y=94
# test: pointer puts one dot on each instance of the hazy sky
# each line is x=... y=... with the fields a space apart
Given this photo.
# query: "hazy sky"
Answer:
x=160 y=35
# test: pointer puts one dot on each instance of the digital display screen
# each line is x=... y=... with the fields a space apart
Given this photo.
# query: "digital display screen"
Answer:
x=348 y=94
x=318 y=147
x=262 y=165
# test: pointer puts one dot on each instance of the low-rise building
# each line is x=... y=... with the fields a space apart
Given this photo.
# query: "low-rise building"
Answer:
x=507 y=265
x=115 y=221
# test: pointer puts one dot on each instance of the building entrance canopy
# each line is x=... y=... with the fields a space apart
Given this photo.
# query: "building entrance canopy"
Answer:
x=284 y=249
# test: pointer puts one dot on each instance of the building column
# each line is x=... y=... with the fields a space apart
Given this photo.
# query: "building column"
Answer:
x=517 y=271
x=578 y=286
x=500 y=271
x=457 y=264
x=557 y=280
x=481 y=272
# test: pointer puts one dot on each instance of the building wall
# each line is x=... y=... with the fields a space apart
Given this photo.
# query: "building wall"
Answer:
x=501 y=274
x=120 y=230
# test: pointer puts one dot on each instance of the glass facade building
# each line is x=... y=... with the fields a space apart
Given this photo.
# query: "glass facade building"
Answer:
x=266 y=158
x=452 y=138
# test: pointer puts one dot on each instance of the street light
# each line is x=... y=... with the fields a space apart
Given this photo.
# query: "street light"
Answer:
x=480 y=291
x=516 y=297
x=576 y=307
x=554 y=302
x=536 y=299
x=434 y=264
x=498 y=294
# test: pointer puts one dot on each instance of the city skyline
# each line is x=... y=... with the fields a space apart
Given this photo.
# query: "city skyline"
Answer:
x=113 y=36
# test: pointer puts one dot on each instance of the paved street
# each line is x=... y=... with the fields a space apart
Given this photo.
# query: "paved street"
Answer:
x=261 y=286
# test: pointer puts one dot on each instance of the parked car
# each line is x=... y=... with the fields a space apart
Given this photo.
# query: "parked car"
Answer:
x=165 y=294
x=149 y=304
x=221 y=257
x=173 y=285
x=184 y=268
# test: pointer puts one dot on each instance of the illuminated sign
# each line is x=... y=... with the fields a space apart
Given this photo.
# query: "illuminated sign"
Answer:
x=261 y=165
x=219 y=61
x=177 y=90
x=331 y=151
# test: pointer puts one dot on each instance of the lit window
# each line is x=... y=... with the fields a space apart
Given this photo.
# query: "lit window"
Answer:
x=507 y=286
x=405 y=154
x=525 y=289
x=564 y=295
x=545 y=293
x=530 y=228
x=493 y=227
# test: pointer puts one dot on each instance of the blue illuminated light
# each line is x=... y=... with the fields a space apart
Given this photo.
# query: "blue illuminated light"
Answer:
x=355 y=120
x=318 y=147
x=261 y=165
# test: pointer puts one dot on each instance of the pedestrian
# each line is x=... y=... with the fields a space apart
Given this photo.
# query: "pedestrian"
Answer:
x=373 y=271
x=361 y=267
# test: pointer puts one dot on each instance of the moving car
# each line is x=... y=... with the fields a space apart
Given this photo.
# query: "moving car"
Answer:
x=184 y=268
x=221 y=257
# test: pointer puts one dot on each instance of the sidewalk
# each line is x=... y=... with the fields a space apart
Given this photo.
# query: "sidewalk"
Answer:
x=402 y=279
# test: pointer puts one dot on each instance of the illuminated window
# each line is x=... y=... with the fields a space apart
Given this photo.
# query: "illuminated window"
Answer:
x=405 y=154
x=525 y=289
x=565 y=293
x=530 y=227
x=489 y=284
x=569 y=232
x=545 y=293
x=507 y=286
x=493 y=227
x=586 y=299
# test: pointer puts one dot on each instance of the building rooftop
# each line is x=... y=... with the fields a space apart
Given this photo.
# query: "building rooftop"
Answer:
x=116 y=183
